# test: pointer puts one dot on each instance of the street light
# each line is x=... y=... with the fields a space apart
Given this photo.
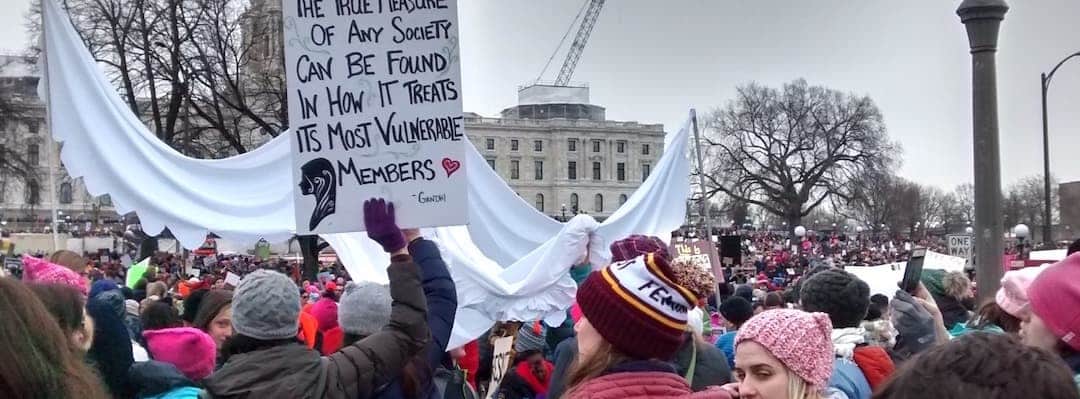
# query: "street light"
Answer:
x=800 y=231
x=969 y=230
x=1021 y=232
x=1047 y=222
x=563 y=212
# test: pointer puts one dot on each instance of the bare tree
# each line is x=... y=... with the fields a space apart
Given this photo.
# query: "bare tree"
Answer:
x=18 y=101
x=184 y=67
x=1024 y=202
x=790 y=149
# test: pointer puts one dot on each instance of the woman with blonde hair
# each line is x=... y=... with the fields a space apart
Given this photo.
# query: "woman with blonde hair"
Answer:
x=784 y=354
x=633 y=319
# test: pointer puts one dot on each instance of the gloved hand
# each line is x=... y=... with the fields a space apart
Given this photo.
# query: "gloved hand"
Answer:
x=381 y=226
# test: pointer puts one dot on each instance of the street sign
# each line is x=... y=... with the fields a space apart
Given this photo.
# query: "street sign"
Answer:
x=960 y=245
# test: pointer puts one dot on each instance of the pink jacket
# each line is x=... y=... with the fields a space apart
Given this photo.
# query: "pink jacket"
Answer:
x=642 y=385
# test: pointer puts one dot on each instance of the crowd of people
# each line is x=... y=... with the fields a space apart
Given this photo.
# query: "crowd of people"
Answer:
x=644 y=326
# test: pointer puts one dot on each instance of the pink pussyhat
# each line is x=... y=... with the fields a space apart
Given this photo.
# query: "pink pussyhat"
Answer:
x=42 y=271
x=191 y=350
x=1012 y=296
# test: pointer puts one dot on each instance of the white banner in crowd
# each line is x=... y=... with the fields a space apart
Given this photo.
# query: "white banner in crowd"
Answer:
x=375 y=105
x=883 y=279
x=505 y=262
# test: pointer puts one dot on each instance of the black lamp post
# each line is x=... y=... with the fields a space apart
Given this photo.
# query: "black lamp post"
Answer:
x=564 y=212
x=1047 y=226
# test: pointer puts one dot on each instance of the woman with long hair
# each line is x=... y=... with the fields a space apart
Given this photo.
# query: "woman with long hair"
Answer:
x=214 y=315
x=38 y=360
x=633 y=315
x=68 y=308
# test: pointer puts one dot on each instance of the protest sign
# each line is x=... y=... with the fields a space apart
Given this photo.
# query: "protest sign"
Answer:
x=136 y=272
x=500 y=363
x=701 y=253
x=960 y=246
x=944 y=262
x=232 y=279
x=374 y=98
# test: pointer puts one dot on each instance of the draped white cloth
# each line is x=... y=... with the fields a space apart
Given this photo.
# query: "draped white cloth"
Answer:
x=510 y=263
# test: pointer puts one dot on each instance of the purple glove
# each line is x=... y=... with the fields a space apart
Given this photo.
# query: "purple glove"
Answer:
x=380 y=225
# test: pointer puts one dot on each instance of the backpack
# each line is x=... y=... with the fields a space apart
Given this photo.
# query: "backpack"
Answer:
x=451 y=384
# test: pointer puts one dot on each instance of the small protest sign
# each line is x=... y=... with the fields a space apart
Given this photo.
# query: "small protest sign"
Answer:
x=232 y=279
x=500 y=363
x=702 y=253
x=374 y=99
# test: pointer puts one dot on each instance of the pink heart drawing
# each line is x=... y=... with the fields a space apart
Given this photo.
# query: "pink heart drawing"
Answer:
x=451 y=166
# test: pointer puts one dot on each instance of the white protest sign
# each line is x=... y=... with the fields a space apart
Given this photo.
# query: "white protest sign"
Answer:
x=232 y=279
x=960 y=245
x=944 y=262
x=500 y=363
x=374 y=96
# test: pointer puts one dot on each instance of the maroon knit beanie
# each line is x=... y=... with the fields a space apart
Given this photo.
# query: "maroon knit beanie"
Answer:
x=637 y=306
x=637 y=245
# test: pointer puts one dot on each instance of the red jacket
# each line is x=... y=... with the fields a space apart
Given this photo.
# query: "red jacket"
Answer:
x=875 y=364
x=642 y=385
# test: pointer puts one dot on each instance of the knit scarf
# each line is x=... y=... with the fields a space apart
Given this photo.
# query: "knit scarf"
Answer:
x=846 y=339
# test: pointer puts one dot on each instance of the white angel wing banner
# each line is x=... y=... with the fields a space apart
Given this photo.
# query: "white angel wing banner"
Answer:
x=510 y=263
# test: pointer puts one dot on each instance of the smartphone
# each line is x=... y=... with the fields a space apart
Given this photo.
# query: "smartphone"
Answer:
x=913 y=271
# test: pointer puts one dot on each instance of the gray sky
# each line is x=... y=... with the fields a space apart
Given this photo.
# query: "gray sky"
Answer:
x=650 y=61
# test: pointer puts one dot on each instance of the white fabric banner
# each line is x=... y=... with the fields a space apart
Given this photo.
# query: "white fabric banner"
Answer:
x=510 y=263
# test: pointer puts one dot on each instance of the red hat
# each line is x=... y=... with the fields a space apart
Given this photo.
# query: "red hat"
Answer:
x=1055 y=297
x=637 y=306
x=331 y=286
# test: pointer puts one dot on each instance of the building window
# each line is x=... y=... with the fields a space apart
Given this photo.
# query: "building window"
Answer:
x=599 y=205
x=540 y=202
x=620 y=147
x=596 y=170
x=622 y=199
x=538 y=170
x=574 y=202
x=571 y=170
x=105 y=200
x=32 y=154
x=491 y=163
x=513 y=145
x=33 y=197
x=571 y=144
x=65 y=193
x=515 y=169
x=33 y=126
x=645 y=170
x=644 y=149
x=620 y=171
x=490 y=144
x=596 y=146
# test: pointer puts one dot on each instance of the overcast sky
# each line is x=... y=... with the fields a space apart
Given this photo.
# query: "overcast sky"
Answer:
x=650 y=61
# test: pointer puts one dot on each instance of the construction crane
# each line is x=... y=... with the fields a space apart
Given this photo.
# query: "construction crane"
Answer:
x=591 y=14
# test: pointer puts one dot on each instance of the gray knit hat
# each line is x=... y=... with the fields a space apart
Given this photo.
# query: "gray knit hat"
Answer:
x=528 y=339
x=266 y=306
x=364 y=308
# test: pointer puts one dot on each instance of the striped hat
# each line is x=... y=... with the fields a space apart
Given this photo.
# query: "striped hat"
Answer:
x=637 y=306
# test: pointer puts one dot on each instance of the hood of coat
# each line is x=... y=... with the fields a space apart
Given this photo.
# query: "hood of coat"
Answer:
x=286 y=371
x=153 y=378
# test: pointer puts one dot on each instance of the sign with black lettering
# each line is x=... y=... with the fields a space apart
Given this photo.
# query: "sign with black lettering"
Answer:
x=702 y=253
x=374 y=96
x=960 y=246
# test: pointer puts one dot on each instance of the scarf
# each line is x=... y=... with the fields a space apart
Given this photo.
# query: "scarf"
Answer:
x=846 y=339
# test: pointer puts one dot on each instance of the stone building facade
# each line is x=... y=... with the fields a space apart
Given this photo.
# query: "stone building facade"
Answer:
x=562 y=155
x=26 y=204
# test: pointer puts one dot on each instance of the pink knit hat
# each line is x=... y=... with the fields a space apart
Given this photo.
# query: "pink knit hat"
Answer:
x=1055 y=298
x=189 y=349
x=800 y=340
x=325 y=312
x=43 y=271
x=1012 y=296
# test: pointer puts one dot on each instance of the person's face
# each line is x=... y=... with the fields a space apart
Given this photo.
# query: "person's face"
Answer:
x=221 y=326
x=588 y=339
x=760 y=374
x=1036 y=334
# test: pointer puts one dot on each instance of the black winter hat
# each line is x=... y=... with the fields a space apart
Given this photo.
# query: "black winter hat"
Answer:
x=840 y=294
x=737 y=310
x=745 y=291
